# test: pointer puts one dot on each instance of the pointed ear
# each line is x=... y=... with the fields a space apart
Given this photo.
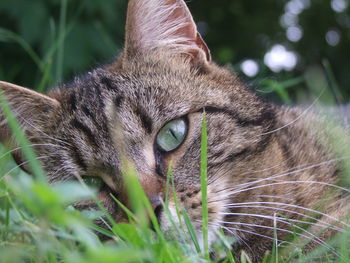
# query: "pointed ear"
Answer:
x=32 y=109
x=166 y=25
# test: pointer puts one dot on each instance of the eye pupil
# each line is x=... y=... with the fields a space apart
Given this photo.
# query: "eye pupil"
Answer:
x=94 y=182
x=172 y=135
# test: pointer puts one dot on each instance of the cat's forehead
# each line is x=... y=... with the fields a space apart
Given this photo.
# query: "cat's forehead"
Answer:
x=163 y=93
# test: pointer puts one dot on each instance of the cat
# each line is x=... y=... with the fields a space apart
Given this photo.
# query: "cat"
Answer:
x=271 y=169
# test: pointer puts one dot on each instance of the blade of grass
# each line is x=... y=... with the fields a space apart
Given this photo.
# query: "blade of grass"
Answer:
x=332 y=81
x=139 y=200
x=102 y=231
x=61 y=34
x=6 y=35
x=126 y=210
x=133 y=192
x=99 y=205
x=181 y=234
x=45 y=79
x=176 y=202
x=227 y=246
x=191 y=230
x=275 y=240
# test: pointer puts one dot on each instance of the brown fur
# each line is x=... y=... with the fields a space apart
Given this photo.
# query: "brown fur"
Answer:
x=263 y=160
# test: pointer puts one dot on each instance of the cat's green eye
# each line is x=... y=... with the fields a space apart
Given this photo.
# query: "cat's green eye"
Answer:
x=93 y=182
x=172 y=135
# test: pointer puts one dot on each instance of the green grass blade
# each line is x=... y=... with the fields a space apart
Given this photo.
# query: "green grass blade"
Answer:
x=62 y=34
x=126 y=210
x=191 y=230
x=139 y=201
x=45 y=79
x=332 y=81
x=6 y=35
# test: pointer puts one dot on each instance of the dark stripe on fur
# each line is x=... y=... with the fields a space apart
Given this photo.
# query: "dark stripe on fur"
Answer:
x=77 y=156
x=267 y=116
x=283 y=142
x=146 y=121
x=72 y=101
x=160 y=165
x=86 y=130
x=89 y=114
x=118 y=101
x=245 y=153
x=108 y=83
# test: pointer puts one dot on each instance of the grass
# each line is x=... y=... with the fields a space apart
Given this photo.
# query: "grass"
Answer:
x=38 y=222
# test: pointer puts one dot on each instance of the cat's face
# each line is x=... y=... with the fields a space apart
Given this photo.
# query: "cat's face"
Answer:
x=149 y=112
x=147 y=108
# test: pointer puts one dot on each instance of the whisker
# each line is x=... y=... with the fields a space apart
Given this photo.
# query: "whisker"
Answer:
x=321 y=223
x=298 y=170
x=312 y=237
x=289 y=182
x=277 y=197
x=298 y=117
x=105 y=223
x=294 y=206
x=43 y=133
x=252 y=171
x=244 y=230
x=32 y=145
x=239 y=238
x=227 y=198
x=21 y=164
x=235 y=234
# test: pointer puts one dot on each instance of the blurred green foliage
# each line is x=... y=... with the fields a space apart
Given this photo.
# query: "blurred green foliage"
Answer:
x=44 y=42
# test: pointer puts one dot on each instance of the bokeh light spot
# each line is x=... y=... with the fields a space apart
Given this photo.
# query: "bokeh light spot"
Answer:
x=333 y=37
x=279 y=58
x=294 y=33
x=339 y=5
x=250 y=67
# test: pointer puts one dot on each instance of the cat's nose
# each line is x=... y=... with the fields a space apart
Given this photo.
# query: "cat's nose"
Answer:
x=157 y=205
x=153 y=188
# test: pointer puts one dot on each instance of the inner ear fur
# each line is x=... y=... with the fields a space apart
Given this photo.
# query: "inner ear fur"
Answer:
x=165 y=25
x=32 y=109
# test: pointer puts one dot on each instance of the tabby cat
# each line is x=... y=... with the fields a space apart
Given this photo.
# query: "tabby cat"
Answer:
x=271 y=169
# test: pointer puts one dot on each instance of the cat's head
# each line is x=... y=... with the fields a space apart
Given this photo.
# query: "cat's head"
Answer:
x=147 y=108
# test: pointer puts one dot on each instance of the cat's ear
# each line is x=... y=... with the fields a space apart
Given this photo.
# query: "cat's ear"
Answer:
x=166 y=25
x=32 y=109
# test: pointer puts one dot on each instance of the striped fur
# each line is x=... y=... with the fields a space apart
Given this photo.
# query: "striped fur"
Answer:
x=264 y=160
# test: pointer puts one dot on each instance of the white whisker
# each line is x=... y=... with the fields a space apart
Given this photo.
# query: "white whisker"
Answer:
x=21 y=164
x=289 y=182
x=325 y=225
x=293 y=171
x=43 y=133
x=294 y=206
x=298 y=117
x=31 y=145
x=277 y=197
x=310 y=236
x=320 y=222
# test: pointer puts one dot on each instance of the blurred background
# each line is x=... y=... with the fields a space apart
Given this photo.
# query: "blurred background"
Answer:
x=288 y=50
